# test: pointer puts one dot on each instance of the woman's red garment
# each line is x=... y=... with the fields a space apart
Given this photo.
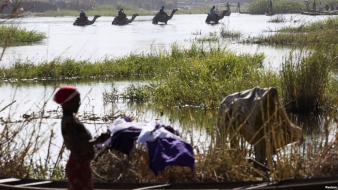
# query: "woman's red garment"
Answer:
x=78 y=171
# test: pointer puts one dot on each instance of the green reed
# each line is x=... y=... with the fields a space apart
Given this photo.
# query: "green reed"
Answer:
x=305 y=79
x=142 y=65
x=308 y=75
x=319 y=32
x=226 y=33
x=11 y=35
x=279 y=6
x=202 y=78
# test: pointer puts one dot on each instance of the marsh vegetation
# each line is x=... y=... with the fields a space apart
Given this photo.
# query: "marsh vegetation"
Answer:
x=188 y=79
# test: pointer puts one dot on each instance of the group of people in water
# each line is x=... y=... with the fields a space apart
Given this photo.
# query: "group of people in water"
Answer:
x=120 y=14
x=321 y=8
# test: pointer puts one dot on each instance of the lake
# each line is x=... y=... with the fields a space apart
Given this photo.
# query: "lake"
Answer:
x=100 y=40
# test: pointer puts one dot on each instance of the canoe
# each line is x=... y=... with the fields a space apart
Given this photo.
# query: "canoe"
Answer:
x=315 y=13
x=7 y=183
x=32 y=184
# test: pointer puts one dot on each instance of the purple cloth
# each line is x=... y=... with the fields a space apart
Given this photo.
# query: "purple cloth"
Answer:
x=169 y=152
x=123 y=140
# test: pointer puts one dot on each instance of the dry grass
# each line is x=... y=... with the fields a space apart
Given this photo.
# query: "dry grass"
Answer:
x=20 y=156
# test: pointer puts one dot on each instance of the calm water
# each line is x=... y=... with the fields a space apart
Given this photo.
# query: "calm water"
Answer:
x=102 y=40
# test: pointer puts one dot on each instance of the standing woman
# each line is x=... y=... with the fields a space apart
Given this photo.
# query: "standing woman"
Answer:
x=77 y=139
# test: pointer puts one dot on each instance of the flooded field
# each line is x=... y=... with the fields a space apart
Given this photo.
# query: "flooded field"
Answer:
x=101 y=40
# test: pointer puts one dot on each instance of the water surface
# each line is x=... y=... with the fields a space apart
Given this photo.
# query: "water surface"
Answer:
x=102 y=39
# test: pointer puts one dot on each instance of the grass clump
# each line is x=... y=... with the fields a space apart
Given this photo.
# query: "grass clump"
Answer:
x=204 y=78
x=134 y=65
x=212 y=37
x=11 y=35
x=199 y=76
x=279 y=6
x=230 y=34
x=306 y=34
x=304 y=81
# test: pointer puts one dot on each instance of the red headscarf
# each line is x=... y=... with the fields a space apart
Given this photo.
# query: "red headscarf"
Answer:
x=64 y=94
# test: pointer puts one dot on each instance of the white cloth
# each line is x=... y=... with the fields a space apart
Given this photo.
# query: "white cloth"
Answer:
x=147 y=134
x=120 y=124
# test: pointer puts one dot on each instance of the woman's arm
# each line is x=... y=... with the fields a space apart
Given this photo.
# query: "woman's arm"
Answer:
x=75 y=142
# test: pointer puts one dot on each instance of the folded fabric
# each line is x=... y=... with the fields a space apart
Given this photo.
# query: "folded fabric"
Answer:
x=164 y=152
x=120 y=124
x=124 y=139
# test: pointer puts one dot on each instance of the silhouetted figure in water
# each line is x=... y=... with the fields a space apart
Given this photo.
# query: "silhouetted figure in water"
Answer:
x=314 y=5
x=162 y=11
x=307 y=4
x=213 y=13
x=83 y=15
x=121 y=14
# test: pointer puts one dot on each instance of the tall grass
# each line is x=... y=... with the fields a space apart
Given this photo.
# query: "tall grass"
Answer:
x=205 y=78
x=226 y=33
x=21 y=147
x=306 y=76
x=319 y=32
x=304 y=81
x=12 y=35
x=22 y=143
x=279 y=6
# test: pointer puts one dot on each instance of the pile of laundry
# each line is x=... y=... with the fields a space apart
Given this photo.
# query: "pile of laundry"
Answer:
x=165 y=147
